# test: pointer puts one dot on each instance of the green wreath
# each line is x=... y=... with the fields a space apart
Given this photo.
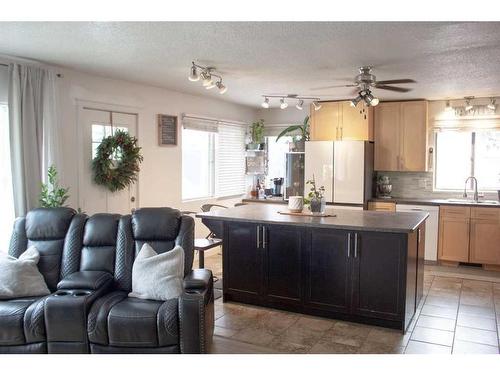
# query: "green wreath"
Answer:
x=117 y=161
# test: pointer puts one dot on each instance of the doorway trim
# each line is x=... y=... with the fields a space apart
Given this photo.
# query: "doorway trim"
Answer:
x=81 y=105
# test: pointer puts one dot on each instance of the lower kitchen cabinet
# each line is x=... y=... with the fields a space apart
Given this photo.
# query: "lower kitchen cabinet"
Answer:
x=485 y=235
x=328 y=264
x=469 y=234
x=377 y=280
x=243 y=263
x=363 y=276
x=454 y=233
x=282 y=252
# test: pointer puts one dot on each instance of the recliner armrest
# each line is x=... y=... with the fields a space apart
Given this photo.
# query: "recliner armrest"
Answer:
x=91 y=280
x=197 y=279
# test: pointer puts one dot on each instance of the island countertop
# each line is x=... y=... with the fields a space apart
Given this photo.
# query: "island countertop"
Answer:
x=393 y=222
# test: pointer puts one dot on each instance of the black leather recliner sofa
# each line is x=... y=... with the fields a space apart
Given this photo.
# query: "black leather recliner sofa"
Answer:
x=87 y=264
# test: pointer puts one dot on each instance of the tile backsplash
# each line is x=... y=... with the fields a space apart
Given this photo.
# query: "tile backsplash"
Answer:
x=419 y=185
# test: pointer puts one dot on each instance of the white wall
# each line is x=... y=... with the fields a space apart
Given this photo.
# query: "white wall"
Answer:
x=160 y=177
x=278 y=116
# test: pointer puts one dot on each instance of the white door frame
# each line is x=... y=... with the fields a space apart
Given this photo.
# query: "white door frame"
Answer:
x=82 y=105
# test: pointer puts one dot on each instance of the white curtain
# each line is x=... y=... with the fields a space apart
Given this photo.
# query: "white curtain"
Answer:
x=34 y=130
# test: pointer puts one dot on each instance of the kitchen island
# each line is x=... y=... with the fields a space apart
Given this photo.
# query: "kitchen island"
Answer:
x=360 y=266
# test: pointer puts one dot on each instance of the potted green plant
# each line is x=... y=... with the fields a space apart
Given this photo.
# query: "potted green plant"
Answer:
x=298 y=141
x=257 y=135
x=52 y=195
x=316 y=197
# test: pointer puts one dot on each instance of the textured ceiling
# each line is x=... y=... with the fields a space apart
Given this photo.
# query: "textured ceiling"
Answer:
x=446 y=59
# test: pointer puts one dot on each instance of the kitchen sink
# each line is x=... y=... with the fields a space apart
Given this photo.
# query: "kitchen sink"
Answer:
x=470 y=201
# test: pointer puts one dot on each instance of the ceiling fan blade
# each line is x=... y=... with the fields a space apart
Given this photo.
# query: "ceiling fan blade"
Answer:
x=394 y=81
x=332 y=87
x=393 y=88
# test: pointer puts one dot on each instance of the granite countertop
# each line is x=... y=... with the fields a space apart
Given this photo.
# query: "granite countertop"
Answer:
x=438 y=202
x=393 y=222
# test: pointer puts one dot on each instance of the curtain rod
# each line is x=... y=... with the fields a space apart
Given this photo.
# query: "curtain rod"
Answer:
x=211 y=119
x=59 y=75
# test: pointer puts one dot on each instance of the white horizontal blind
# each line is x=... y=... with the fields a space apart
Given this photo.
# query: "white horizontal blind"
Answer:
x=230 y=160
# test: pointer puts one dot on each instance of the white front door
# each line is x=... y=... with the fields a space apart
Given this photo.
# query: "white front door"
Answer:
x=93 y=126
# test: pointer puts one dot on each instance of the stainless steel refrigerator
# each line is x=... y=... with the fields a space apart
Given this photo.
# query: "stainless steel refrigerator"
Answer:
x=294 y=174
x=344 y=168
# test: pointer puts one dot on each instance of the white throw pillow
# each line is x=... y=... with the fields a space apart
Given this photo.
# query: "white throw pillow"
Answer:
x=21 y=277
x=158 y=276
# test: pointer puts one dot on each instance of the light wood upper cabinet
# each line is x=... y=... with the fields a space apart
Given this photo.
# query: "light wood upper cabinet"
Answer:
x=324 y=123
x=401 y=136
x=357 y=122
x=454 y=233
x=387 y=137
x=336 y=121
x=485 y=235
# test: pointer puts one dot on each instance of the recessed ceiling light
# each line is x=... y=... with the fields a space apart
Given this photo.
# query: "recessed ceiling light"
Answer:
x=265 y=103
x=283 y=104
x=299 y=105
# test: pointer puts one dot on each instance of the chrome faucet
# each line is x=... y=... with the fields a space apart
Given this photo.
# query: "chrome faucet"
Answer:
x=476 y=194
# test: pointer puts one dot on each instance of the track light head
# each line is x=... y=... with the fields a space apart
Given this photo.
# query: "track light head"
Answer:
x=448 y=107
x=356 y=100
x=193 y=75
x=316 y=105
x=369 y=99
x=283 y=104
x=299 y=105
x=265 y=103
x=468 y=106
x=222 y=88
x=492 y=106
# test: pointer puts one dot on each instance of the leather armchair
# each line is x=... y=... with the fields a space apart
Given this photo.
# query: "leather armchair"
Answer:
x=22 y=320
x=121 y=324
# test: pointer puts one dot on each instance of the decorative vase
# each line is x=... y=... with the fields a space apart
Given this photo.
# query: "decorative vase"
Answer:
x=295 y=203
x=317 y=205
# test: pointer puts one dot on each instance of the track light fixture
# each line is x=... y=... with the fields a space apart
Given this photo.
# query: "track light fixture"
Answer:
x=206 y=75
x=283 y=104
x=492 y=106
x=292 y=97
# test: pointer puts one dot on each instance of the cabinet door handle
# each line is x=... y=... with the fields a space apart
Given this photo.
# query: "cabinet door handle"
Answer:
x=348 y=245
x=341 y=133
x=355 y=245
x=264 y=239
x=337 y=133
x=258 y=236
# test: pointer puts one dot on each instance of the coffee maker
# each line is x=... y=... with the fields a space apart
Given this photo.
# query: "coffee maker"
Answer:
x=278 y=183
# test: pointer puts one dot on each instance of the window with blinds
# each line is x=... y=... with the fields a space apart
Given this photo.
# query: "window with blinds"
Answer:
x=213 y=158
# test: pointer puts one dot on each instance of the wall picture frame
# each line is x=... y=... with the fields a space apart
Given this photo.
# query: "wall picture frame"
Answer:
x=167 y=130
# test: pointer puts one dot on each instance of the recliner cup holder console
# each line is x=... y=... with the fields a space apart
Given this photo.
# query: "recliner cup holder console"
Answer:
x=75 y=293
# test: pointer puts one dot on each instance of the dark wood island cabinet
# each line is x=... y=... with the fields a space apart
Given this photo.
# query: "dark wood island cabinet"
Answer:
x=359 y=266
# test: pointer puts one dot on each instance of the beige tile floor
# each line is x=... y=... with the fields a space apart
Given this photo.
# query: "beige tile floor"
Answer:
x=458 y=315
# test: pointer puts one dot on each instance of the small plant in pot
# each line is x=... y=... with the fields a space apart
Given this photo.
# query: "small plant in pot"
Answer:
x=316 y=197
x=257 y=134
x=298 y=141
